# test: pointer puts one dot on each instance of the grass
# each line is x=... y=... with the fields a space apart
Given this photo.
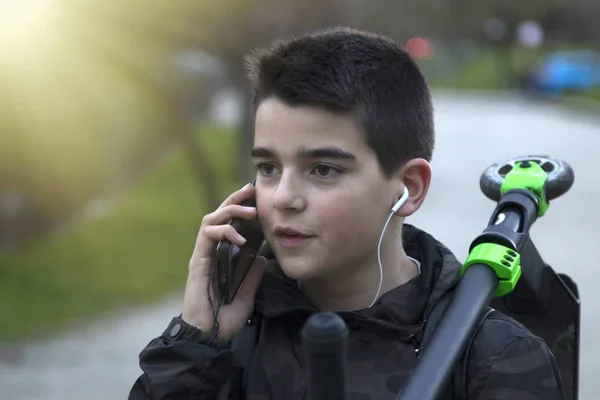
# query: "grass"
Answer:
x=136 y=253
x=593 y=95
x=497 y=69
x=489 y=69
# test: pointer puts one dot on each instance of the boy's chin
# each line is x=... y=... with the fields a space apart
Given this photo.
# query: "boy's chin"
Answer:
x=299 y=271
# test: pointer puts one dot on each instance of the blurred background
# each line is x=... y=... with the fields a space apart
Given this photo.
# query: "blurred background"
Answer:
x=124 y=122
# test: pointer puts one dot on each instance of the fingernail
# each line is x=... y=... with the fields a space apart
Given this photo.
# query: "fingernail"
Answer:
x=250 y=208
x=241 y=238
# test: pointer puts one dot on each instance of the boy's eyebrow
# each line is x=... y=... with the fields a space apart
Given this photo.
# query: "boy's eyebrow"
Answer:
x=322 y=152
x=327 y=152
x=262 y=152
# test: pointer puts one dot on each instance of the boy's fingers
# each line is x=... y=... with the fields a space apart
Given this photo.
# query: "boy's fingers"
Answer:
x=227 y=213
x=239 y=196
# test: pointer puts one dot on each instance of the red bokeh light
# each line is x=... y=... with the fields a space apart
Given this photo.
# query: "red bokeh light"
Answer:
x=419 y=48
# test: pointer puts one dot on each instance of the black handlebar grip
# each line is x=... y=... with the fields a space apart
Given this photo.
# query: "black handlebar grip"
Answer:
x=325 y=337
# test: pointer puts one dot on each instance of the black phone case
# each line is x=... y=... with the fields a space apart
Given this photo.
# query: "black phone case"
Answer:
x=225 y=271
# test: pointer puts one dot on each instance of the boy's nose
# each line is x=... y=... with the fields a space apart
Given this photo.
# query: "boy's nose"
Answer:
x=288 y=194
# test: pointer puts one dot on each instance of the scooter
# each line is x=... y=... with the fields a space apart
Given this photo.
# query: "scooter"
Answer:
x=504 y=271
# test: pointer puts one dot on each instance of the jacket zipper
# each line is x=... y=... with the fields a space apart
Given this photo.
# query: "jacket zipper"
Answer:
x=305 y=397
x=416 y=344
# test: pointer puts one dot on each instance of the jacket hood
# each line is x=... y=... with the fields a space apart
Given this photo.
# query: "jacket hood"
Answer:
x=401 y=309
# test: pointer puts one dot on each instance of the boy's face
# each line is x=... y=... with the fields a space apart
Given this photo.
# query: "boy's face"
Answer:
x=321 y=197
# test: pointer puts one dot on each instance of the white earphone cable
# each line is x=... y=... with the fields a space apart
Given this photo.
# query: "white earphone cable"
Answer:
x=394 y=210
x=379 y=258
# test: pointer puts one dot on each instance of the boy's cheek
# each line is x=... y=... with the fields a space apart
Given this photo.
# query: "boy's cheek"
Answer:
x=264 y=221
x=262 y=206
x=263 y=217
x=343 y=224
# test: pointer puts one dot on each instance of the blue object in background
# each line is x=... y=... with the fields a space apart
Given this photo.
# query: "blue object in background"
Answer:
x=566 y=71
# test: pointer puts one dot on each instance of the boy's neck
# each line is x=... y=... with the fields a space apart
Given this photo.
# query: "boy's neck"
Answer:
x=356 y=291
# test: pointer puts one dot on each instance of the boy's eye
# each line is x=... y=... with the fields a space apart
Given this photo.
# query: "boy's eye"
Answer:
x=326 y=171
x=267 y=169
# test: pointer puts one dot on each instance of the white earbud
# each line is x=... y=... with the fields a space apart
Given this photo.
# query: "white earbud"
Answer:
x=401 y=202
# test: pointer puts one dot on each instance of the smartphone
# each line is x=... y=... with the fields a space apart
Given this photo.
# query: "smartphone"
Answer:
x=233 y=262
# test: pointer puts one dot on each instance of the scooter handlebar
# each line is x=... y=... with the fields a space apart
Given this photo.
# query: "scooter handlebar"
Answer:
x=325 y=338
x=437 y=360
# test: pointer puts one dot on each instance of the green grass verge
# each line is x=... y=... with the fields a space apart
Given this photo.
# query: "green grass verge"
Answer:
x=134 y=254
x=500 y=68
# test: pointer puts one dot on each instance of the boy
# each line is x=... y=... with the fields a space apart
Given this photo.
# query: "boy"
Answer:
x=343 y=127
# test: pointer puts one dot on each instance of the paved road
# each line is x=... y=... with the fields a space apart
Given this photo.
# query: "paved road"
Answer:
x=473 y=131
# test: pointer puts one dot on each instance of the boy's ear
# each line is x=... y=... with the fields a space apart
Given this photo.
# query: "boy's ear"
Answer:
x=416 y=176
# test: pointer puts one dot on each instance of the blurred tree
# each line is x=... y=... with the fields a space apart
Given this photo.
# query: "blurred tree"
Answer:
x=229 y=30
x=86 y=107
x=180 y=93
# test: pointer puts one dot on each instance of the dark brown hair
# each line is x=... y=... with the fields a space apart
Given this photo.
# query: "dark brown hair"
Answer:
x=365 y=75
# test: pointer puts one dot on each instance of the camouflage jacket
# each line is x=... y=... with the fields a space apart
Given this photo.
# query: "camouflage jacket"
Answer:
x=506 y=361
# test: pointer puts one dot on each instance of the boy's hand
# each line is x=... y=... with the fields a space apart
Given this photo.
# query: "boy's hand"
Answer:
x=197 y=309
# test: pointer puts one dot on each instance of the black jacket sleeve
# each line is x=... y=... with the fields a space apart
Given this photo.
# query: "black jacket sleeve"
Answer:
x=523 y=368
x=183 y=363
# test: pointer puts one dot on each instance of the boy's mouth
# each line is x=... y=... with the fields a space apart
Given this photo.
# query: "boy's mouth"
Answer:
x=289 y=237
x=287 y=231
